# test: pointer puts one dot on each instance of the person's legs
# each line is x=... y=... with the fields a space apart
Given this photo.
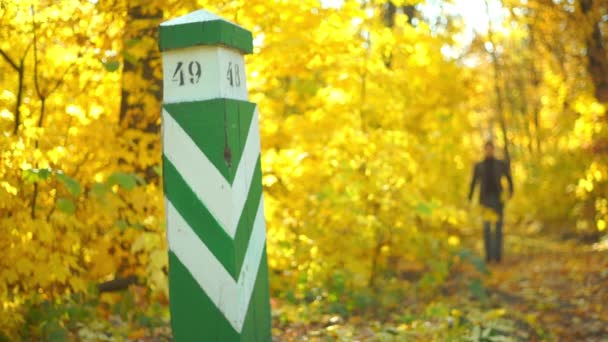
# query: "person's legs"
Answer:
x=493 y=219
x=498 y=239
x=497 y=247
x=487 y=239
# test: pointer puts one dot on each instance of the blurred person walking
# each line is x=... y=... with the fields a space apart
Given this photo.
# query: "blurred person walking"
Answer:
x=489 y=173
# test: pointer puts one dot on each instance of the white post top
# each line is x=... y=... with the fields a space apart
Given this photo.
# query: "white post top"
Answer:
x=202 y=73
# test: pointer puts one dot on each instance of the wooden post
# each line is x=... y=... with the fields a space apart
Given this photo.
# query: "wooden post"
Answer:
x=218 y=273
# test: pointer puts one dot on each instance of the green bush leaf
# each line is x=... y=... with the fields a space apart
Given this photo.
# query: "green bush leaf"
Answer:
x=132 y=42
x=66 y=205
x=56 y=332
x=122 y=224
x=477 y=289
x=127 y=181
x=99 y=190
x=111 y=66
x=70 y=183
x=140 y=180
x=129 y=58
x=35 y=175
x=474 y=259
x=158 y=170
x=479 y=264
x=424 y=208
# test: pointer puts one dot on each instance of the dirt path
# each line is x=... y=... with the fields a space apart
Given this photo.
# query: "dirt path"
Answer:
x=543 y=291
x=559 y=290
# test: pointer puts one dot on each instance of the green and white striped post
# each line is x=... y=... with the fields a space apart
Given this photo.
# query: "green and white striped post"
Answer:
x=218 y=273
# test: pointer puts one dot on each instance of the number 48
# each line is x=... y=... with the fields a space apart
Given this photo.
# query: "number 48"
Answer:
x=233 y=75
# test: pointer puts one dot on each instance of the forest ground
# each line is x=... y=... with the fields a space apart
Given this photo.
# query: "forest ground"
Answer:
x=546 y=289
x=561 y=288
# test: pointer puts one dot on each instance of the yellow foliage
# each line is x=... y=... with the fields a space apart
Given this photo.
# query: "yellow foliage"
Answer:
x=368 y=134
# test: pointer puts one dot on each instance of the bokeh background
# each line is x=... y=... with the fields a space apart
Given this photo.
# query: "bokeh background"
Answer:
x=372 y=115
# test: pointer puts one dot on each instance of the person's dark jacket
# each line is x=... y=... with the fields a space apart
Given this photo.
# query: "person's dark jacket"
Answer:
x=488 y=174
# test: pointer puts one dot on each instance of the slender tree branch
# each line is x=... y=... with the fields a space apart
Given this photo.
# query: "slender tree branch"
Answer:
x=117 y=284
x=9 y=60
x=42 y=106
x=19 y=96
x=497 y=89
x=42 y=96
x=62 y=78
x=20 y=72
x=36 y=83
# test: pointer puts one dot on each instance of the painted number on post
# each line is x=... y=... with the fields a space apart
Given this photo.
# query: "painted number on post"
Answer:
x=233 y=75
x=192 y=74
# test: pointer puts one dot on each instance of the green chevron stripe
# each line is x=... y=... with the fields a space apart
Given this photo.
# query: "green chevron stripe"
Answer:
x=245 y=226
x=230 y=253
x=213 y=123
x=199 y=218
x=193 y=314
x=257 y=326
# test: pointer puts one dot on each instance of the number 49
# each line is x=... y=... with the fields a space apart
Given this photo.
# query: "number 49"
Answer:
x=194 y=71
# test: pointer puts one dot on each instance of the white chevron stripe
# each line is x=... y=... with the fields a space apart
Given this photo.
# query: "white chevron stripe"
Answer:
x=230 y=297
x=225 y=202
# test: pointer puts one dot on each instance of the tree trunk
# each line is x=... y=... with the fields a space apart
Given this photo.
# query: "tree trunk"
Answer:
x=597 y=58
x=134 y=112
x=141 y=94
